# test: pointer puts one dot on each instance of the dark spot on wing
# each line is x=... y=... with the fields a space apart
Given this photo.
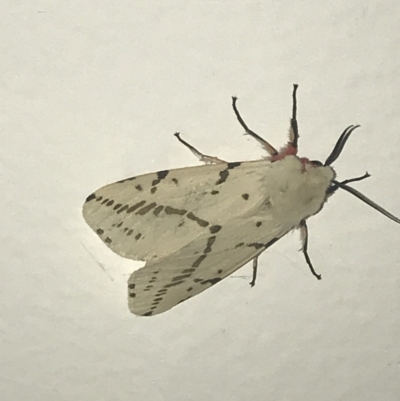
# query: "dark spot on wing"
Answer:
x=223 y=175
x=220 y=271
x=211 y=281
x=188 y=271
x=197 y=262
x=182 y=277
x=137 y=236
x=160 y=176
x=99 y=231
x=158 y=210
x=105 y=201
x=197 y=280
x=131 y=286
x=117 y=206
x=210 y=243
x=245 y=196
x=173 y=284
x=258 y=224
x=215 y=229
x=153 y=190
x=90 y=197
x=139 y=187
x=233 y=165
x=129 y=232
x=239 y=245
x=256 y=245
x=200 y=222
x=172 y=210
x=134 y=207
x=120 y=224
x=108 y=240
x=214 y=192
x=123 y=208
x=132 y=294
x=146 y=209
x=99 y=199
x=190 y=289
x=174 y=180
x=148 y=313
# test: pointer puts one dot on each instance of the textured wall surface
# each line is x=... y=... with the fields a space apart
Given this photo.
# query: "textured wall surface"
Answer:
x=92 y=92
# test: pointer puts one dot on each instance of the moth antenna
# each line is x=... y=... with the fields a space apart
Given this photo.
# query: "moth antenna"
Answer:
x=366 y=200
x=337 y=150
x=266 y=145
x=334 y=188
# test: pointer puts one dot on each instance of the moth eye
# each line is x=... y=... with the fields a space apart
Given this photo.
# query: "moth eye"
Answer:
x=316 y=163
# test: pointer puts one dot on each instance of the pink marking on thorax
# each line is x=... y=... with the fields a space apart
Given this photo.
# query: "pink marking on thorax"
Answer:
x=290 y=150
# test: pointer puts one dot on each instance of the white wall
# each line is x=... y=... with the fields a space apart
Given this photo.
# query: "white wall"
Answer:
x=91 y=92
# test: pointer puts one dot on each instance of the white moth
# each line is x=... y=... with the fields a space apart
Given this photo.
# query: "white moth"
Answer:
x=195 y=226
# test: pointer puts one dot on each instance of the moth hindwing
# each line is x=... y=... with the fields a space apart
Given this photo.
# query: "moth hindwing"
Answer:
x=195 y=226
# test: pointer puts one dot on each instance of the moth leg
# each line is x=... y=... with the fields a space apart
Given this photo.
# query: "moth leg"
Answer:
x=304 y=239
x=255 y=266
x=294 y=129
x=266 y=145
x=203 y=158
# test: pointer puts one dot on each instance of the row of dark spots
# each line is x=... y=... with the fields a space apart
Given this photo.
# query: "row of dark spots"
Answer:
x=127 y=231
x=224 y=174
x=131 y=287
x=257 y=245
x=99 y=232
x=207 y=250
x=211 y=281
x=203 y=223
x=106 y=201
x=159 y=296
x=136 y=206
x=198 y=220
x=186 y=273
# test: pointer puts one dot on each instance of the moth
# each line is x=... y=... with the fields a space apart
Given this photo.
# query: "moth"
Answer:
x=195 y=226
